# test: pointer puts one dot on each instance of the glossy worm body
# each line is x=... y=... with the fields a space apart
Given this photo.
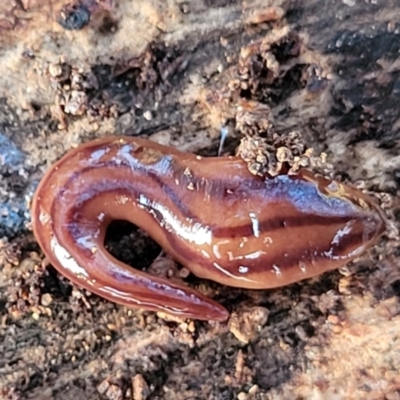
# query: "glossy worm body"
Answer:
x=210 y=214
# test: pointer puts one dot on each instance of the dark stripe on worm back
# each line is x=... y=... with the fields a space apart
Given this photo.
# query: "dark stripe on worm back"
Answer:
x=262 y=262
x=266 y=226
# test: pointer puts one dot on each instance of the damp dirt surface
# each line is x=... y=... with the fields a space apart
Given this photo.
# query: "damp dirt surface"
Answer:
x=180 y=73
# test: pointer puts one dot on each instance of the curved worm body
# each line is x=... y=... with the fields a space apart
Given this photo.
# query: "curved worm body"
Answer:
x=210 y=214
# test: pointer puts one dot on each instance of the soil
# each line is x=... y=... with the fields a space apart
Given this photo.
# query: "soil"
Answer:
x=180 y=73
